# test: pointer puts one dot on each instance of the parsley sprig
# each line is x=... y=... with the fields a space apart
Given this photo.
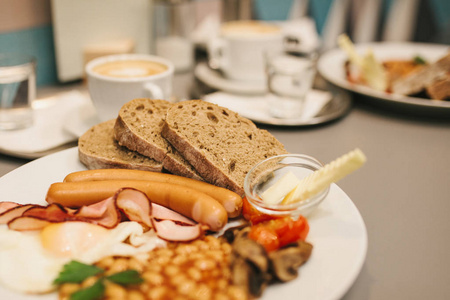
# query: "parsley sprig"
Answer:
x=76 y=272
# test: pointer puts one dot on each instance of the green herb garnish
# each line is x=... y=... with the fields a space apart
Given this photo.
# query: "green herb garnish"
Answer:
x=93 y=292
x=76 y=272
x=126 y=277
x=419 y=60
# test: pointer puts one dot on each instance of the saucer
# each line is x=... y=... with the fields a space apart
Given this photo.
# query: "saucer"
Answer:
x=47 y=134
x=81 y=120
x=216 y=80
x=320 y=107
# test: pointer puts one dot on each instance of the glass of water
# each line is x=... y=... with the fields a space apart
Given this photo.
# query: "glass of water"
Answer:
x=17 y=90
x=290 y=76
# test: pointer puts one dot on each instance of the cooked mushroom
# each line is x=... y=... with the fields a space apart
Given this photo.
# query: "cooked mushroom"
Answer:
x=286 y=261
x=249 y=263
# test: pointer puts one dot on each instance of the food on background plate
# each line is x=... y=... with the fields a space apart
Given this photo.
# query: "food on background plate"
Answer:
x=412 y=76
x=138 y=127
x=433 y=78
x=98 y=149
x=231 y=201
x=220 y=144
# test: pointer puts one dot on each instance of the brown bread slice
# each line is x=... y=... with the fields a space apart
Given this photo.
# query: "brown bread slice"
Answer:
x=97 y=149
x=138 y=127
x=220 y=144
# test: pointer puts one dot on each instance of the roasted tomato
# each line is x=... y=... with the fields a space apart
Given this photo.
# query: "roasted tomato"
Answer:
x=252 y=214
x=276 y=233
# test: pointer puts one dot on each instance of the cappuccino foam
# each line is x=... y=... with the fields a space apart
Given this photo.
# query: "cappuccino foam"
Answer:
x=129 y=68
x=248 y=28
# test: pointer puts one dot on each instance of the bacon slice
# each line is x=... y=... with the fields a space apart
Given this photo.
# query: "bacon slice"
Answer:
x=52 y=213
x=15 y=212
x=175 y=231
x=161 y=212
x=135 y=205
x=7 y=205
x=104 y=213
x=27 y=223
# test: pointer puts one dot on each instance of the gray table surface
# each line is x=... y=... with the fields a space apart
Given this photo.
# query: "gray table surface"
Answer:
x=402 y=193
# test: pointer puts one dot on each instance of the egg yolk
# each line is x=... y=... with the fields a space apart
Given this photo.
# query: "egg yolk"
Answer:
x=69 y=239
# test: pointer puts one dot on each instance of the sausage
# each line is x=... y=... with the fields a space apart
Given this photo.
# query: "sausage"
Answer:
x=229 y=199
x=187 y=201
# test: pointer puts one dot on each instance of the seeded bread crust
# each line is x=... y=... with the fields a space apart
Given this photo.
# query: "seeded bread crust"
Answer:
x=138 y=127
x=97 y=149
x=220 y=144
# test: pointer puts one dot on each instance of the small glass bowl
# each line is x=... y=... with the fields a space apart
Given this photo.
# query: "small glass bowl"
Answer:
x=269 y=171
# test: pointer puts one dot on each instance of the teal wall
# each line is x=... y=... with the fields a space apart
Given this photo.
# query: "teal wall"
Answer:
x=38 y=42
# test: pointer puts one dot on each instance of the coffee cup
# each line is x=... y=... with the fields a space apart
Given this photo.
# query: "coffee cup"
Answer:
x=116 y=79
x=239 y=50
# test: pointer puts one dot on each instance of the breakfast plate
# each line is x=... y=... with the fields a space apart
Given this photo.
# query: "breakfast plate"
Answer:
x=338 y=232
x=331 y=67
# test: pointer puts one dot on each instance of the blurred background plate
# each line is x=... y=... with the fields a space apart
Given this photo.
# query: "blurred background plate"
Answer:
x=331 y=67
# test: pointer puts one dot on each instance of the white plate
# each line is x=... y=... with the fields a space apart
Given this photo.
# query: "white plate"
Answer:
x=331 y=67
x=337 y=232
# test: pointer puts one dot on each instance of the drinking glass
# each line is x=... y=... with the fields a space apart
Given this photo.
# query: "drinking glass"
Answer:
x=290 y=76
x=17 y=90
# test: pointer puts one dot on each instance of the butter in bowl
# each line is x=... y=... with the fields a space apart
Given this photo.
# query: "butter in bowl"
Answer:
x=295 y=184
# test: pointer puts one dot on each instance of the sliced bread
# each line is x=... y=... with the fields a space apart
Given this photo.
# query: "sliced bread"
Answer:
x=138 y=127
x=220 y=144
x=97 y=149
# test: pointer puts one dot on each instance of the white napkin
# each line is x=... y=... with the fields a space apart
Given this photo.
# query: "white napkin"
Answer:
x=255 y=107
x=47 y=131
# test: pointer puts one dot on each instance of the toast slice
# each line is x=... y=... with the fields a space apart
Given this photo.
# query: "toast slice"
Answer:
x=97 y=149
x=220 y=144
x=138 y=127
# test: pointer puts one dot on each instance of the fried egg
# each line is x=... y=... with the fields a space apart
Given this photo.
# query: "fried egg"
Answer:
x=31 y=260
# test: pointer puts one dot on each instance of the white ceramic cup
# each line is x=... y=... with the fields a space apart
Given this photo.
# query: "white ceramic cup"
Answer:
x=117 y=79
x=239 y=50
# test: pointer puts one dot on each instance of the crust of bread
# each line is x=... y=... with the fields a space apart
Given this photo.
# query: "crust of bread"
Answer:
x=220 y=144
x=138 y=127
x=97 y=149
